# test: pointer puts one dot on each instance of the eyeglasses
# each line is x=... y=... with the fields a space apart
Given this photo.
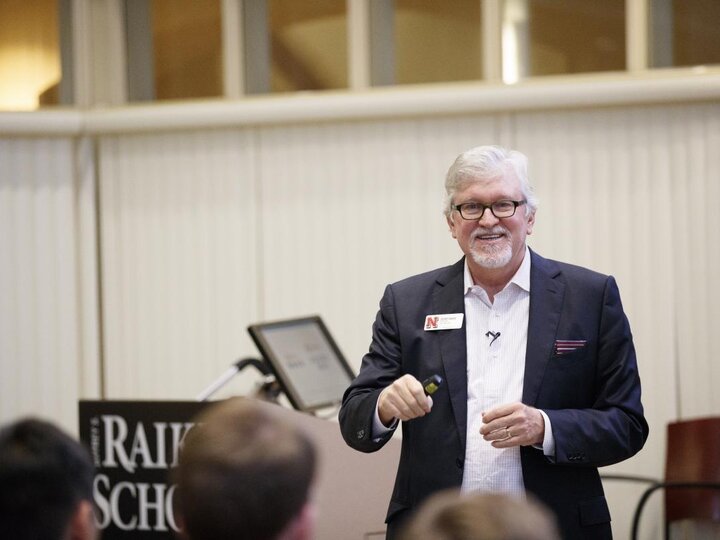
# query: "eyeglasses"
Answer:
x=504 y=208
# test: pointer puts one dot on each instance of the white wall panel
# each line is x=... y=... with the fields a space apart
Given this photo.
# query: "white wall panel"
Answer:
x=602 y=186
x=603 y=182
x=204 y=232
x=348 y=208
x=629 y=192
x=40 y=318
x=179 y=264
x=89 y=370
x=695 y=223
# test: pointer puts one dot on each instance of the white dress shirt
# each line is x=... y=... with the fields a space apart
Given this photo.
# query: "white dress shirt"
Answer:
x=495 y=370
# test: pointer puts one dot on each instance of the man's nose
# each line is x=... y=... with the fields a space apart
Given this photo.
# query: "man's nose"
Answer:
x=488 y=219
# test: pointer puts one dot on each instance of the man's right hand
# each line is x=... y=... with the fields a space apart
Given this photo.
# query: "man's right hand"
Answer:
x=404 y=399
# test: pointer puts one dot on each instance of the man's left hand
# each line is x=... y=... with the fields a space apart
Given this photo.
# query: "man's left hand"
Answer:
x=514 y=424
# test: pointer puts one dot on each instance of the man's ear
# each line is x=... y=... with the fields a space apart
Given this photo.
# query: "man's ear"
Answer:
x=530 y=223
x=82 y=523
x=302 y=527
x=180 y=522
x=451 y=224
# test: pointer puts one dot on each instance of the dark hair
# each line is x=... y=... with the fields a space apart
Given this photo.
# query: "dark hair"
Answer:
x=243 y=472
x=44 y=474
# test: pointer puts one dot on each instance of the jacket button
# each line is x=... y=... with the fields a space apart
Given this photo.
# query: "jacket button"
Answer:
x=459 y=462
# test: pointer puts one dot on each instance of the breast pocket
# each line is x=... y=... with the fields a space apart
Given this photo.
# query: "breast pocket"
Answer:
x=569 y=379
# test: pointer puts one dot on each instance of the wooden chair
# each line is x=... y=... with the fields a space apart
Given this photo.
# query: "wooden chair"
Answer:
x=693 y=457
x=692 y=475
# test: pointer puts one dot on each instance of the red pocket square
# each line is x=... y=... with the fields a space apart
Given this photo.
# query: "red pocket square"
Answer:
x=565 y=346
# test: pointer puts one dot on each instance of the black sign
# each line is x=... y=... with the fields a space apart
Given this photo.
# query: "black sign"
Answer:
x=134 y=444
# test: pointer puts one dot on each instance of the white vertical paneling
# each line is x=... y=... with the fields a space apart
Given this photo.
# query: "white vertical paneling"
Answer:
x=628 y=192
x=40 y=323
x=696 y=226
x=178 y=259
x=88 y=271
x=710 y=117
x=594 y=173
x=330 y=200
x=602 y=182
x=350 y=207
x=203 y=232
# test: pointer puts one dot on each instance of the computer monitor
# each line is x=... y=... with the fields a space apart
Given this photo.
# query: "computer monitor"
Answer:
x=305 y=359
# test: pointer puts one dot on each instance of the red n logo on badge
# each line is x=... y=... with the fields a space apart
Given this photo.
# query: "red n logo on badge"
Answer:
x=431 y=322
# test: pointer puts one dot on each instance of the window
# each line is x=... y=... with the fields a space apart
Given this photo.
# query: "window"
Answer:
x=185 y=49
x=574 y=36
x=187 y=39
x=174 y=49
x=685 y=32
x=30 y=71
x=308 y=45
x=437 y=41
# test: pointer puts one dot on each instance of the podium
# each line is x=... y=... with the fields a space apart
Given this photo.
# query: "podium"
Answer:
x=134 y=444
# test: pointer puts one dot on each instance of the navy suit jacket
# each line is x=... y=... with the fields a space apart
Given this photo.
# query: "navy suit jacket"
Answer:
x=591 y=395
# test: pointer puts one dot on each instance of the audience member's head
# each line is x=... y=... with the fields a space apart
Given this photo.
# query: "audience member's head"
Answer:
x=452 y=515
x=244 y=472
x=46 y=484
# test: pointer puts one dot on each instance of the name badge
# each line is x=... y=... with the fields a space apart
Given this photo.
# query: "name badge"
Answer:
x=444 y=321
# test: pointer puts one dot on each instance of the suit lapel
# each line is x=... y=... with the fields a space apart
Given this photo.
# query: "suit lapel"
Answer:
x=449 y=298
x=547 y=290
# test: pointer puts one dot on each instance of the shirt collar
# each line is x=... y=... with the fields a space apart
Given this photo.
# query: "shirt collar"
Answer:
x=521 y=277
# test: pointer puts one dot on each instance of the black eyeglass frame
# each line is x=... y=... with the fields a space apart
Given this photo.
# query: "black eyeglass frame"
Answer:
x=459 y=208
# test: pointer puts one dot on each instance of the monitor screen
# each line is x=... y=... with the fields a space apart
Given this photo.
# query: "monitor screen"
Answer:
x=305 y=359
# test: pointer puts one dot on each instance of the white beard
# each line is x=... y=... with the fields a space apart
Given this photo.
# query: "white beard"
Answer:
x=492 y=256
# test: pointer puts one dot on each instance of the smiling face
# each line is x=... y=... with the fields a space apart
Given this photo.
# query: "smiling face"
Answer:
x=493 y=246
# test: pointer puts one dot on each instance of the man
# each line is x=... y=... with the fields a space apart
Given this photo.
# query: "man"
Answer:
x=243 y=472
x=540 y=382
x=46 y=484
x=452 y=515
